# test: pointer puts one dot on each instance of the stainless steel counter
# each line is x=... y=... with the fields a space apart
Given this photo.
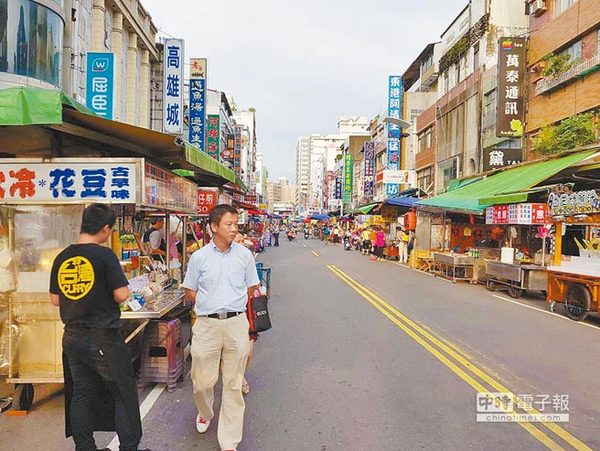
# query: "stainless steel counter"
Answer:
x=158 y=306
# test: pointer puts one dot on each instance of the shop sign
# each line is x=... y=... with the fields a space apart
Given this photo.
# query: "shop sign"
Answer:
x=496 y=158
x=338 y=188
x=510 y=113
x=60 y=182
x=214 y=135
x=389 y=213
x=369 y=185
x=519 y=214
x=395 y=91
x=207 y=200
x=402 y=177
x=163 y=189
x=578 y=202
x=173 y=86
x=197 y=112
x=237 y=150
x=348 y=173
x=251 y=198
x=100 y=83
x=229 y=151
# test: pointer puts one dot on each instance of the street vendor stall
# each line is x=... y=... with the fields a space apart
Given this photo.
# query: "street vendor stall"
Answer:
x=41 y=203
x=574 y=277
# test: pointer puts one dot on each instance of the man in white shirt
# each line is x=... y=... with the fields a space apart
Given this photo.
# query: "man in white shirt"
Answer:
x=219 y=279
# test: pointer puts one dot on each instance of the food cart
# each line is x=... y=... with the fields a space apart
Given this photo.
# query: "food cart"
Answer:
x=522 y=230
x=41 y=203
x=574 y=280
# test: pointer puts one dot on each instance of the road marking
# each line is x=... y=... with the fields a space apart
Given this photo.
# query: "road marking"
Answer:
x=413 y=330
x=512 y=301
x=304 y=245
x=316 y=255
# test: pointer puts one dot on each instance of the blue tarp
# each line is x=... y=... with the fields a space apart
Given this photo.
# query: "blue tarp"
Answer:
x=402 y=201
x=321 y=217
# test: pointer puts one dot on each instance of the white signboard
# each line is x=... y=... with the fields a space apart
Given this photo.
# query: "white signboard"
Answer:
x=64 y=182
x=173 y=86
x=400 y=177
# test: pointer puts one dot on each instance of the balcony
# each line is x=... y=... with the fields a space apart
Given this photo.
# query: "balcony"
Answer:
x=430 y=76
x=580 y=70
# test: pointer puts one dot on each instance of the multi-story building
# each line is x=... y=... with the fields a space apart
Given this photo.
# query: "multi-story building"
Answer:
x=52 y=38
x=469 y=53
x=247 y=119
x=302 y=173
x=260 y=178
x=564 y=62
x=323 y=152
x=378 y=133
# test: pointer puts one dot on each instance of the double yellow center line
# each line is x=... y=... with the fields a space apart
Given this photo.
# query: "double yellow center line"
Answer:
x=458 y=363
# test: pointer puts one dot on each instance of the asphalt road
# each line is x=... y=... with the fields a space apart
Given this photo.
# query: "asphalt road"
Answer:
x=370 y=355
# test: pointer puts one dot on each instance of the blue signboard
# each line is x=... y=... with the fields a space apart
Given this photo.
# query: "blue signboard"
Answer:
x=395 y=91
x=338 y=188
x=100 y=83
x=369 y=187
x=197 y=112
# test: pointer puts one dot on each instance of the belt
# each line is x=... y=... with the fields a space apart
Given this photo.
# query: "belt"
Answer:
x=226 y=315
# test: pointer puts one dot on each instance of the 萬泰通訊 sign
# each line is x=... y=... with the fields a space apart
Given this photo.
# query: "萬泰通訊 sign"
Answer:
x=100 y=79
x=173 y=86
x=510 y=114
x=61 y=182
x=197 y=112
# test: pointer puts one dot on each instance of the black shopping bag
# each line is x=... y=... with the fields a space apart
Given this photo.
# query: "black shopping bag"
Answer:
x=258 y=314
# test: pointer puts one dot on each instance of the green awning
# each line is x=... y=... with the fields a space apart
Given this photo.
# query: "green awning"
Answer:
x=34 y=106
x=460 y=183
x=366 y=209
x=201 y=160
x=475 y=197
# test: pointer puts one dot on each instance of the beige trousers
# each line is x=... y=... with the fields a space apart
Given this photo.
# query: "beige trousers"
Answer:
x=221 y=343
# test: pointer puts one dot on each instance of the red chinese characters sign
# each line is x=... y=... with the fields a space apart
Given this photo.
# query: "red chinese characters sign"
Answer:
x=207 y=200
x=519 y=214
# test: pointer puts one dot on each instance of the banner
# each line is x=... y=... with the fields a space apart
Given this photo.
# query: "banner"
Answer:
x=237 y=150
x=60 y=182
x=207 y=200
x=338 y=188
x=521 y=214
x=214 y=134
x=348 y=173
x=395 y=91
x=399 y=177
x=100 y=81
x=510 y=114
x=197 y=114
x=173 y=86
x=369 y=186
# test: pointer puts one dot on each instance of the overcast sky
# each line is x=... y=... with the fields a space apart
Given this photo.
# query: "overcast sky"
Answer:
x=302 y=64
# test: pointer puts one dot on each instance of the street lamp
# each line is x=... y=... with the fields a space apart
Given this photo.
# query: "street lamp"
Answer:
x=395 y=121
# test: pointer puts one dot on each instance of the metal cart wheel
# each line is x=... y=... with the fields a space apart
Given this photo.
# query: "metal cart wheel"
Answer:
x=491 y=285
x=578 y=301
x=23 y=397
x=515 y=292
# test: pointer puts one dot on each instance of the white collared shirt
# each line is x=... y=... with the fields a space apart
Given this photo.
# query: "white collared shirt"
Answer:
x=221 y=279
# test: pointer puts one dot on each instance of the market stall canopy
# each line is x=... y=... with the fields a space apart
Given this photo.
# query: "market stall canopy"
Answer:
x=366 y=209
x=67 y=128
x=402 y=201
x=320 y=217
x=476 y=196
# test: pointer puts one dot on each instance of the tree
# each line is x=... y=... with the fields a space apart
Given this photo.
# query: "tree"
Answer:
x=572 y=132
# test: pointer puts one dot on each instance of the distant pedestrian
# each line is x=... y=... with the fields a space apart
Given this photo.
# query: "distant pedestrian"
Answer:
x=379 y=244
x=87 y=283
x=219 y=279
x=276 y=230
x=366 y=241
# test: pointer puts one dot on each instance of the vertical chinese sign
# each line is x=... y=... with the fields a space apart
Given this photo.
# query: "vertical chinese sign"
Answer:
x=369 y=187
x=227 y=155
x=348 y=170
x=338 y=188
x=99 y=95
x=173 y=86
x=197 y=102
x=510 y=113
x=395 y=91
x=237 y=150
x=207 y=200
x=213 y=131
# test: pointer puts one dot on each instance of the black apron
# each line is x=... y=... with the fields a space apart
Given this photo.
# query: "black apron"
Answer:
x=120 y=367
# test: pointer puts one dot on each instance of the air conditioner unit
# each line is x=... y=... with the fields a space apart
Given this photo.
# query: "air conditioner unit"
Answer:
x=538 y=7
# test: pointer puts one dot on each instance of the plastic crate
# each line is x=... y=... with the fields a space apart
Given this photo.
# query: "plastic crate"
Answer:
x=162 y=355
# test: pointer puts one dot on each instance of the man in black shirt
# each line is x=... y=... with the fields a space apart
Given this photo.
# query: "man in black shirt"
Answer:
x=87 y=284
x=154 y=236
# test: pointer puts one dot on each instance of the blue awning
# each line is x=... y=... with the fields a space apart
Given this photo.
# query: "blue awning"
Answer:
x=402 y=201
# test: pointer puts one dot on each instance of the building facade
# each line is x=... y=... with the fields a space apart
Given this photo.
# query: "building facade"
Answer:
x=302 y=173
x=561 y=88
x=247 y=120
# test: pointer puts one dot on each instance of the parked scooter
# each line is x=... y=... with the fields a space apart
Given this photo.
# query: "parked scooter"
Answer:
x=306 y=234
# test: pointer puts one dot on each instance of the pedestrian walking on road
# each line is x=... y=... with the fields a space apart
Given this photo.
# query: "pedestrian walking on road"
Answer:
x=366 y=242
x=87 y=283
x=219 y=279
x=379 y=244
x=276 y=230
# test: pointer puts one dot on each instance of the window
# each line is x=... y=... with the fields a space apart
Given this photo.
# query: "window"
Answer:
x=425 y=178
x=574 y=51
x=426 y=64
x=489 y=101
x=560 y=6
x=598 y=41
x=476 y=56
x=425 y=139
